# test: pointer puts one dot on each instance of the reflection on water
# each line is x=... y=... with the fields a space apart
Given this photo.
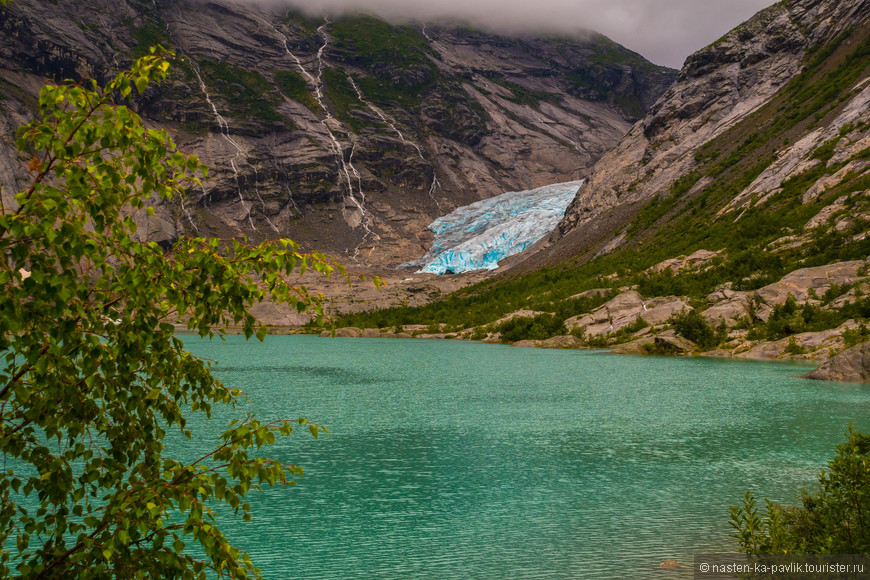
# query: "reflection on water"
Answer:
x=458 y=460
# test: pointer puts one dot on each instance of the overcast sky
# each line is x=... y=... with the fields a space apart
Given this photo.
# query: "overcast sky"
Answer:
x=664 y=31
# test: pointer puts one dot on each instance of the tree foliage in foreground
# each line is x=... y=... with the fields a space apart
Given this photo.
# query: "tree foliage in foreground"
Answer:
x=92 y=375
x=833 y=520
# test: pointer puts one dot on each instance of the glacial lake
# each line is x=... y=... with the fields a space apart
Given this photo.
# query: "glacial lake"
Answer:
x=451 y=460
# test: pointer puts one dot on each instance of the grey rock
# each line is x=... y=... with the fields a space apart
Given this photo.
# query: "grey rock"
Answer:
x=819 y=279
x=729 y=310
x=565 y=341
x=625 y=309
x=851 y=366
x=673 y=345
x=348 y=332
x=633 y=347
x=718 y=87
x=661 y=309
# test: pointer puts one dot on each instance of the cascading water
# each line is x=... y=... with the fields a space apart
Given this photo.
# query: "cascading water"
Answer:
x=224 y=130
x=225 y=133
x=362 y=217
x=391 y=123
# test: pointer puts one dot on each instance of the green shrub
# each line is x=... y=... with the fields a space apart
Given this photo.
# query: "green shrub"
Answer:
x=830 y=521
x=692 y=326
x=854 y=336
x=793 y=347
x=541 y=327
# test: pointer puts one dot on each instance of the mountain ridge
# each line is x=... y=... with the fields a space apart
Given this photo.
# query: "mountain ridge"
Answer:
x=351 y=134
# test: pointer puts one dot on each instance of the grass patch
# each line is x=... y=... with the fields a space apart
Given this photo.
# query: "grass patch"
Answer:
x=343 y=98
x=248 y=93
x=147 y=36
x=294 y=86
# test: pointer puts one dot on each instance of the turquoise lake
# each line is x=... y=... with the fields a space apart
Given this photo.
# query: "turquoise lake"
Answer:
x=450 y=459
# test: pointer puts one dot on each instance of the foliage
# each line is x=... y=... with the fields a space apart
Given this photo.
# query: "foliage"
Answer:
x=146 y=36
x=343 y=97
x=792 y=318
x=247 y=92
x=830 y=521
x=540 y=327
x=93 y=376
x=294 y=86
x=692 y=326
x=793 y=347
x=855 y=336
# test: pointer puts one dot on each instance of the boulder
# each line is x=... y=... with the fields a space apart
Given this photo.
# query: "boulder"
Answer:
x=673 y=345
x=278 y=314
x=730 y=309
x=634 y=347
x=348 y=332
x=371 y=333
x=819 y=278
x=564 y=341
x=693 y=261
x=723 y=293
x=850 y=296
x=851 y=366
x=664 y=343
x=659 y=310
x=624 y=310
x=518 y=313
x=817 y=345
x=620 y=311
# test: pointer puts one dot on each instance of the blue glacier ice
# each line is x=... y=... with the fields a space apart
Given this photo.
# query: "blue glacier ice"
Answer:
x=478 y=236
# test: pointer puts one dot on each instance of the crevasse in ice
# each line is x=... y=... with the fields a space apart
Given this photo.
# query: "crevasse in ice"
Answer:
x=477 y=236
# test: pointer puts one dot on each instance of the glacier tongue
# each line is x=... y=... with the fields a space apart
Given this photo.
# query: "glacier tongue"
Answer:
x=477 y=236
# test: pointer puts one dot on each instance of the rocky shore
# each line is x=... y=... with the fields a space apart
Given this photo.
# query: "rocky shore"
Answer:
x=738 y=316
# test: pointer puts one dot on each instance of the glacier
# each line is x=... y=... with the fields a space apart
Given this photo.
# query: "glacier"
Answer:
x=479 y=235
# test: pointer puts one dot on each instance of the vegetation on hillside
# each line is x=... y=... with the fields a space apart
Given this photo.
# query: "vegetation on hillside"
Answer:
x=758 y=243
x=248 y=93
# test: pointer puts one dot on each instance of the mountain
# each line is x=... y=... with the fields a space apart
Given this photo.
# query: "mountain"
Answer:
x=734 y=214
x=746 y=114
x=349 y=134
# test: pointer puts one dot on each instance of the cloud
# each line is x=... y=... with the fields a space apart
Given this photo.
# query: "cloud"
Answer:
x=664 y=31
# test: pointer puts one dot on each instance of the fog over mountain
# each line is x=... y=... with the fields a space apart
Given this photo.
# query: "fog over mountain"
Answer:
x=664 y=31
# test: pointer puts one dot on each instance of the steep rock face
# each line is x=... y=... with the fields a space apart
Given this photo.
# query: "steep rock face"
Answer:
x=718 y=88
x=350 y=134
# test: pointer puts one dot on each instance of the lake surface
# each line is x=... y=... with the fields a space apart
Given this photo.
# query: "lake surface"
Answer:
x=450 y=459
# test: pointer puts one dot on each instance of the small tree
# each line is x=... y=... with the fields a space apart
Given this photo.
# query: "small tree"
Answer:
x=833 y=520
x=93 y=376
x=691 y=325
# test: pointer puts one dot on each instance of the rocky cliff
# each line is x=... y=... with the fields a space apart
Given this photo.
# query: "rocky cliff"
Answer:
x=348 y=134
x=750 y=110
